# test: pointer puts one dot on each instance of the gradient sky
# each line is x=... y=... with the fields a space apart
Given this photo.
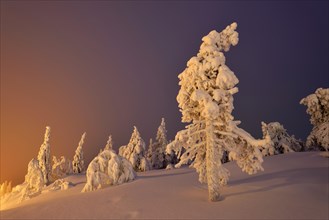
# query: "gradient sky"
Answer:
x=105 y=66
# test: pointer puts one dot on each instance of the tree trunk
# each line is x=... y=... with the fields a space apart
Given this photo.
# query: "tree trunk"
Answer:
x=212 y=163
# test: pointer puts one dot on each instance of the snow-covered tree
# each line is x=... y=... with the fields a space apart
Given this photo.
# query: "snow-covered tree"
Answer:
x=61 y=167
x=109 y=144
x=161 y=137
x=318 y=108
x=78 y=160
x=172 y=157
x=5 y=188
x=282 y=141
x=158 y=159
x=150 y=155
x=32 y=186
x=135 y=152
x=44 y=157
x=206 y=101
x=34 y=178
x=108 y=169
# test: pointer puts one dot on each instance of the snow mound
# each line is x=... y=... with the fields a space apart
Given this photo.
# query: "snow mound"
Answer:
x=60 y=184
x=108 y=169
x=170 y=167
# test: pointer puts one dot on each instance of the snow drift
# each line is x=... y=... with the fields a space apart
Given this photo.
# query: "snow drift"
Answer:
x=293 y=186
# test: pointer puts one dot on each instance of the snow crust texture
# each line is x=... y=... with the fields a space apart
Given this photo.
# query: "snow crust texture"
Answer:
x=296 y=184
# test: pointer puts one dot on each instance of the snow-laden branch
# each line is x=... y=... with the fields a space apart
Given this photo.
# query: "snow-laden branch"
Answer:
x=250 y=139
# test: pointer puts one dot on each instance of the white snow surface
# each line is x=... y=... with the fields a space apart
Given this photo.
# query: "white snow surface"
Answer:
x=293 y=186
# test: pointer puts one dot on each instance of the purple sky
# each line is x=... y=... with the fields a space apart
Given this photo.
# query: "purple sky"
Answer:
x=105 y=66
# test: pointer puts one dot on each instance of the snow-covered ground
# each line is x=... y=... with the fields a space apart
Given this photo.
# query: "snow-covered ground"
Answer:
x=293 y=186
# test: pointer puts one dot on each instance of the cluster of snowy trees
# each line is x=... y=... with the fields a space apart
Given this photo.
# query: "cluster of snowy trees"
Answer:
x=109 y=168
x=211 y=138
x=155 y=157
x=42 y=171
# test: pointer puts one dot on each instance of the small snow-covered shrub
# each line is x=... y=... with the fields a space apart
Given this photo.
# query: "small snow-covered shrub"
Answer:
x=61 y=167
x=108 y=169
x=135 y=152
x=170 y=167
x=60 y=184
x=318 y=108
x=282 y=141
x=5 y=188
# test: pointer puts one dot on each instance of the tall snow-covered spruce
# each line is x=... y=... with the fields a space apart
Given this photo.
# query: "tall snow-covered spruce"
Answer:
x=44 y=157
x=135 y=152
x=158 y=159
x=206 y=102
x=78 y=162
x=318 y=108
